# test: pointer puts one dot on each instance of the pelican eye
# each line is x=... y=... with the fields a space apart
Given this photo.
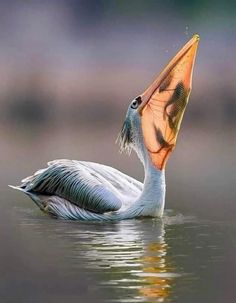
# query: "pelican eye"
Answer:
x=137 y=101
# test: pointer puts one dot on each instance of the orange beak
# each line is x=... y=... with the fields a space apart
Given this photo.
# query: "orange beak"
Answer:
x=164 y=102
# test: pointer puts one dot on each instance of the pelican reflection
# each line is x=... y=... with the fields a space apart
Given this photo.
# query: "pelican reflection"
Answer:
x=130 y=260
x=134 y=260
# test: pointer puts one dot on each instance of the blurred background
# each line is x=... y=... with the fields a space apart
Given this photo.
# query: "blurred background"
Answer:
x=69 y=70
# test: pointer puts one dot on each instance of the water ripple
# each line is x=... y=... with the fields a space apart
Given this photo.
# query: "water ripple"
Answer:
x=136 y=260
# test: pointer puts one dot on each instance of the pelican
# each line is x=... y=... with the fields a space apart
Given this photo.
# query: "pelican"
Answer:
x=79 y=190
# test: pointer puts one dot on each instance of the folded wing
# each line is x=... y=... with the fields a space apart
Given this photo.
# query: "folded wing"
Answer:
x=91 y=186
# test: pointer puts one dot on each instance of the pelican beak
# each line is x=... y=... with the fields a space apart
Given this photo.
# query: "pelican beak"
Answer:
x=163 y=104
x=183 y=63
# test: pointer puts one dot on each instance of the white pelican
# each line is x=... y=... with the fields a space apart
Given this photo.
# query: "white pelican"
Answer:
x=79 y=190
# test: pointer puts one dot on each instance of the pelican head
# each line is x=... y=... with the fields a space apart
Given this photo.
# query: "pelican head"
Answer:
x=153 y=118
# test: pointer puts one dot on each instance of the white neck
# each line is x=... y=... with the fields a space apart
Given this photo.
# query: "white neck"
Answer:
x=152 y=198
x=151 y=202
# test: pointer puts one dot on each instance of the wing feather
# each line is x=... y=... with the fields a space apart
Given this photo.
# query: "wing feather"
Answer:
x=91 y=186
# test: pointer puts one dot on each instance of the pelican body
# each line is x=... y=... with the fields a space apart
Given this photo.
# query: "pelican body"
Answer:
x=78 y=190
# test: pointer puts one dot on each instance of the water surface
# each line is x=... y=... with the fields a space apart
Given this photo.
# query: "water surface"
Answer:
x=177 y=259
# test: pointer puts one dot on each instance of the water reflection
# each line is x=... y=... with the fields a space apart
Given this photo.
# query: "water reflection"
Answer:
x=129 y=259
x=133 y=260
x=138 y=260
x=158 y=275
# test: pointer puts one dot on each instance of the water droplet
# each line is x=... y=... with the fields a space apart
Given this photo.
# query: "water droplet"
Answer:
x=186 y=31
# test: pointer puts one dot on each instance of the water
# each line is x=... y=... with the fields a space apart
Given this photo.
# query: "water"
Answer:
x=189 y=256
x=177 y=259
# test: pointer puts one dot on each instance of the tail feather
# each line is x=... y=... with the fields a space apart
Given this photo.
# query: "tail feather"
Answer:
x=38 y=199
x=18 y=188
